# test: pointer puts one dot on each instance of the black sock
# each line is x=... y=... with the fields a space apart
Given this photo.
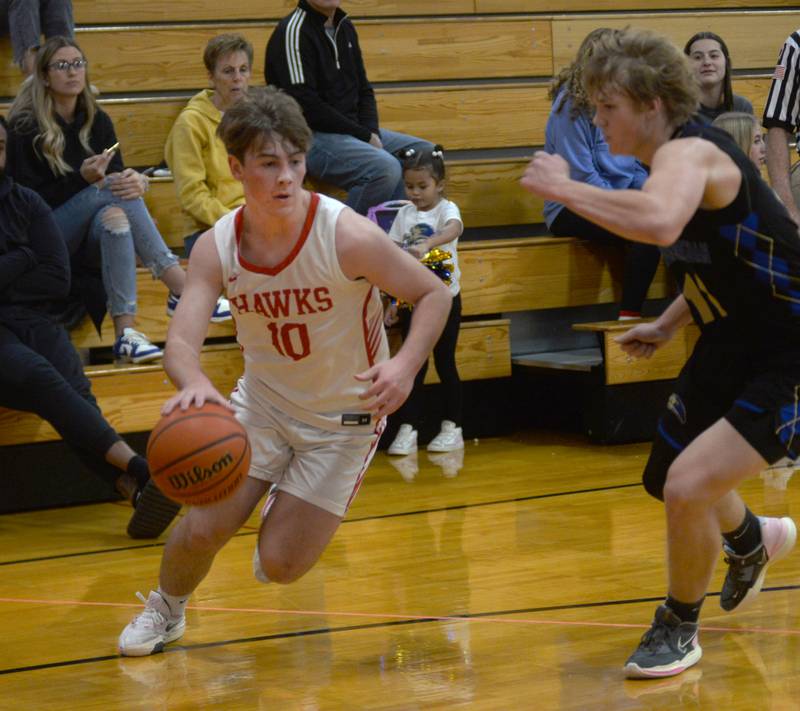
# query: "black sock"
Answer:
x=686 y=611
x=139 y=470
x=747 y=537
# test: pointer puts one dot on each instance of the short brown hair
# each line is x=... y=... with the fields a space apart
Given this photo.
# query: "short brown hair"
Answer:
x=645 y=66
x=221 y=45
x=255 y=117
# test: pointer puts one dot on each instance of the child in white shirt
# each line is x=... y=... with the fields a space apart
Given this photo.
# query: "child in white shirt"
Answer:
x=428 y=221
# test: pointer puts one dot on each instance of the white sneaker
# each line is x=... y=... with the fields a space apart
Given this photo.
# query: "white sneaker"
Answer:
x=405 y=442
x=134 y=347
x=448 y=440
x=151 y=629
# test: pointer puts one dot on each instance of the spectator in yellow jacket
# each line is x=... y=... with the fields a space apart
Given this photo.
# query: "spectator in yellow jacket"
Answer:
x=195 y=154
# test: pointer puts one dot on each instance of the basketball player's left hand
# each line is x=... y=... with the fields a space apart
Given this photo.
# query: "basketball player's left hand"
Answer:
x=390 y=387
x=195 y=394
x=545 y=174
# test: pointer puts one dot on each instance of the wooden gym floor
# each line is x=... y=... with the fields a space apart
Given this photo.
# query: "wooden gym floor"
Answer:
x=522 y=580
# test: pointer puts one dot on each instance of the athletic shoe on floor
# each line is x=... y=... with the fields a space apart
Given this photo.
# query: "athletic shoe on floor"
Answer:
x=667 y=648
x=448 y=440
x=134 y=347
x=746 y=572
x=153 y=512
x=222 y=310
x=405 y=442
x=151 y=629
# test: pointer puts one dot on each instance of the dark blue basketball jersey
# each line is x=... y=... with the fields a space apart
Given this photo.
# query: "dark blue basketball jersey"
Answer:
x=740 y=264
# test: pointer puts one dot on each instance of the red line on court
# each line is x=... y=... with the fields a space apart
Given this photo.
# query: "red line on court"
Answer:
x=393 y=616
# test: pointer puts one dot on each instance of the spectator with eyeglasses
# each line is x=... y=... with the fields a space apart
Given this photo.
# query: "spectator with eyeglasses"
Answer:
x=63 y=146
x=25 y=21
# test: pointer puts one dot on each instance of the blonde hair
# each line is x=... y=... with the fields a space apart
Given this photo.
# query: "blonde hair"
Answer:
x=645 y=66
x=34 y=109
x=740 y=126
x=571 y=77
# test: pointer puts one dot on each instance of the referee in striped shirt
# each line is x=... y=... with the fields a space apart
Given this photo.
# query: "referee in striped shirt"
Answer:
x=782 y=119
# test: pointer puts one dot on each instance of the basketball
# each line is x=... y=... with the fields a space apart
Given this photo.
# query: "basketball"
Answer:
x=198 y=456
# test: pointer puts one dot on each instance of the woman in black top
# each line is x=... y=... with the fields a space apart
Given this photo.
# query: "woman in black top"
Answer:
x=711 y=62
x=63 y=146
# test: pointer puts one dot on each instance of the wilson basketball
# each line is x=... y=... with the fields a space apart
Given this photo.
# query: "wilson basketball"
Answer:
x=198 y=456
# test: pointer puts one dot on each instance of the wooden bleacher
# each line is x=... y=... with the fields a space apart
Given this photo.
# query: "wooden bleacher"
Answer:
x=618 y=368
x=470 y=74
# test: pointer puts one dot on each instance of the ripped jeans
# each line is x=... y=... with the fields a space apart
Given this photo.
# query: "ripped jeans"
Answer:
x=112 y=232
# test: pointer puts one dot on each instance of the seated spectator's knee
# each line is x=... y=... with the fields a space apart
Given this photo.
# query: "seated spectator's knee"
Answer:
x=37 y=375
x=115 y=221
x=382 y=166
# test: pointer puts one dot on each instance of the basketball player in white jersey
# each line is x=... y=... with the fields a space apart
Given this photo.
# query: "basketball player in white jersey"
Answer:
x=301 y=272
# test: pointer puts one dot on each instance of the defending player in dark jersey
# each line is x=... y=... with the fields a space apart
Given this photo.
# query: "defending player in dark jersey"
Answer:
x=735 y=254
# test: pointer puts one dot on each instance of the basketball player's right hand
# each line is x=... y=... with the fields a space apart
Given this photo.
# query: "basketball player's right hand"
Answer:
x=545 y=174
x=197 y=395
x=643 y=340
x=390 y=387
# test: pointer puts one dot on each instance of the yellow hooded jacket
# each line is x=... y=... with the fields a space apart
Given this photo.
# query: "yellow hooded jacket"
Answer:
x=199 y=163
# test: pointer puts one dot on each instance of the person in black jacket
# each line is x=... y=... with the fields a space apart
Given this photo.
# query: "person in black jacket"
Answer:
x=314 y=55
x=40 y=371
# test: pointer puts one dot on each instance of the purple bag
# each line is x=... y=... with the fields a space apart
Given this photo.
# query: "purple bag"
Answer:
x=383 y=215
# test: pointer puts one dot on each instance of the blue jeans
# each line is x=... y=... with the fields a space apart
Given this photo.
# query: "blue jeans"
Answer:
x=81 y=220
x=27 y=20
x=370 y=175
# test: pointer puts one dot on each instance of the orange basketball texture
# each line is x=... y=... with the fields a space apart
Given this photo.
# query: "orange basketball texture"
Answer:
x=198 y=456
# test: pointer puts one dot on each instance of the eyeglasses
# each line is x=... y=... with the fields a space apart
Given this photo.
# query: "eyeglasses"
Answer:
x=65 y=66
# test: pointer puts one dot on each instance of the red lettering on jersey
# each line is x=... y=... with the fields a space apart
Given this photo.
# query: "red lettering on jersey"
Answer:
x=323 y=299
x=258 y=305
x=240 y=303
x=277 y=306
x=301 y=301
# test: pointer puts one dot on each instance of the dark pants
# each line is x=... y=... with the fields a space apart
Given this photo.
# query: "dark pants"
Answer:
x=641 y=260
x=40 y=372
x=444 y=358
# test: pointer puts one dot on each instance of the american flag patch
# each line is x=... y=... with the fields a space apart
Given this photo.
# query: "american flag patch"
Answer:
x=780 y=72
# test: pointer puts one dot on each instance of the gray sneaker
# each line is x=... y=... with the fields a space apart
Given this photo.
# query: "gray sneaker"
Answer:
x=669 y=647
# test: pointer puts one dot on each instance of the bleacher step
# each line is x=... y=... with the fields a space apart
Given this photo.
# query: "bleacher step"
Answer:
x=580 y=359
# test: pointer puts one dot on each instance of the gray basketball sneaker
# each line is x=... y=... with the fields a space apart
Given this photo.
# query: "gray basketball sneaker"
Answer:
x=669 y=647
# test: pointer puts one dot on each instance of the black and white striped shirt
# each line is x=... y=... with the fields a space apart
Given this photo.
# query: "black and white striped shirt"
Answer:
x=783 y=103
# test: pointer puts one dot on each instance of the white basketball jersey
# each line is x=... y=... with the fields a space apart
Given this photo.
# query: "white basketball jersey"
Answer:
x=305 y=329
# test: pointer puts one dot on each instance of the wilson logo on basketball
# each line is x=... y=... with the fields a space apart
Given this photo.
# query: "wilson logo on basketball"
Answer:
x=197 y=474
